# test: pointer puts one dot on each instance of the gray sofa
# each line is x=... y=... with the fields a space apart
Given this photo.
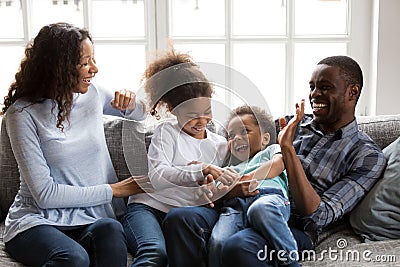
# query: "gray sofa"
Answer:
x=127 y=141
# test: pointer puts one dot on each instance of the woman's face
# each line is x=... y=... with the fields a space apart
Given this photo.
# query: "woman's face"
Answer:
x=193 y=115
x=87 y=66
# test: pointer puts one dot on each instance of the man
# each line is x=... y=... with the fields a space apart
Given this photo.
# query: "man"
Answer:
x=330 y=164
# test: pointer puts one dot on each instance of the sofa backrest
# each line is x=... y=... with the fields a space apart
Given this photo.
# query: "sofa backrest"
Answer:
x=383 y=129
x=127 y=144
x=9 y=175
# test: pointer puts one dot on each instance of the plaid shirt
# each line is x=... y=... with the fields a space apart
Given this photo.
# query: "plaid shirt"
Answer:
x=342 y=167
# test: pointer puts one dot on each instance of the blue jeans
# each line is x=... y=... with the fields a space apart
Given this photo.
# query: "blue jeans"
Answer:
x=99 y=244
x=186 y=232
x=142 y=225
x=249 y=248
x=268 y=213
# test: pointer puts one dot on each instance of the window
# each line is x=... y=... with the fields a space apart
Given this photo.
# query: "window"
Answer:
x=275 y=43
x=119 y=28
x=269 y=47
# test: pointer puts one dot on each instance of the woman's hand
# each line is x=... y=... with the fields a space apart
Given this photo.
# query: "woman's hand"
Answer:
x=124 y=100
x=132 y=186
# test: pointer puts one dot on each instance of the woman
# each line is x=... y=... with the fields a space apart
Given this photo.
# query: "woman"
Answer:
x=64 y=212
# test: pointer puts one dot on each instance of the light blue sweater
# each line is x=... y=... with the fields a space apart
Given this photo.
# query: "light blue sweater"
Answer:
x=65 y=176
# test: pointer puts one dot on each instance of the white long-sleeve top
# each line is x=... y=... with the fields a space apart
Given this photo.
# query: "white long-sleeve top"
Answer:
x=64 y=176
x=170 y=153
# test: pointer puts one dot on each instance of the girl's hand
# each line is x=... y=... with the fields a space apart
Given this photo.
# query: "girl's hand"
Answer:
x=132 y=186
x=206 y=191
x=215 y=171
x=124 y=100
x=226 y=177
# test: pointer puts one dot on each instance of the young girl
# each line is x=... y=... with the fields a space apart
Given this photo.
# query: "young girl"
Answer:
x=182 y=152
x=250 y=131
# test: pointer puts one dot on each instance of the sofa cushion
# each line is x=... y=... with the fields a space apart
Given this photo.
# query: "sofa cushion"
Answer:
x=9 y=175
x=377 y=217
x=5 y=259
x=126 y=142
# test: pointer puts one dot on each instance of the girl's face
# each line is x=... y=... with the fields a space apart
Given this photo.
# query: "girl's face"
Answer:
x=245 y=138
x=87 y=67
x=193 y=115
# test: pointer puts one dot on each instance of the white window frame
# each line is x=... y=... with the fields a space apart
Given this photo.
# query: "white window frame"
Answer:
x=158 y=31
x=358 y=35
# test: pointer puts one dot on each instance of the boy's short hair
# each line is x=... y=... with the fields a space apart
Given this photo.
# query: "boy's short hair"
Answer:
x=261 y=116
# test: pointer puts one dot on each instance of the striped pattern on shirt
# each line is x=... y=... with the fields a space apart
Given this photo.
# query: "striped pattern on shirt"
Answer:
x=341 y=166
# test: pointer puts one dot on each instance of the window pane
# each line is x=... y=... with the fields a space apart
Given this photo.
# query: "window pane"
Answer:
x=46 y=12
x=264 y=65
x=120 y=66
x=11 y=14
x=123 y=18
x=204 y=52
x=306 y=58
x=197 y=18
x=10 y=59
x=259 y=17
x=208 y=53
x=320 y=17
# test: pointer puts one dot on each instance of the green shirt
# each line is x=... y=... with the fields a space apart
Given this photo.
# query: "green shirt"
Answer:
x=280 y=182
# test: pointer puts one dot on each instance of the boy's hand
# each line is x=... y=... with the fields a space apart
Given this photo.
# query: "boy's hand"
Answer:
x=246 y=187
x=248 y=183
x=124 y=100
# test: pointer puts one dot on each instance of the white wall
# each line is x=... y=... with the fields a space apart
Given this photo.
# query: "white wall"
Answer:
x=376 y=46
x=360 y=49
x=388 y=58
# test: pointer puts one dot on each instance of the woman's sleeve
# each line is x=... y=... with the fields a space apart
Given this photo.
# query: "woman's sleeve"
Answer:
x=35 y=172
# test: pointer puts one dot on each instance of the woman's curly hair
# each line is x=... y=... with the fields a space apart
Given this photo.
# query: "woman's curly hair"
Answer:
x=49 y=69
x=173 y=79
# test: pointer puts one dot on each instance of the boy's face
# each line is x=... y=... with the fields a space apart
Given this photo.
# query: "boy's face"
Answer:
x=245 y=138
x=193 y=116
